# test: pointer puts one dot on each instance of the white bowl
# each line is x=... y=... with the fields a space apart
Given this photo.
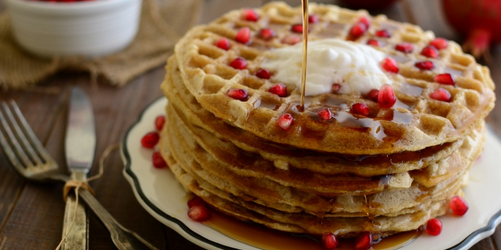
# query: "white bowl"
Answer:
x=90 y=28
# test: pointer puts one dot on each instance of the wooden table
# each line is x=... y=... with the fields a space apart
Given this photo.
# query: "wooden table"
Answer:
x=31 y=214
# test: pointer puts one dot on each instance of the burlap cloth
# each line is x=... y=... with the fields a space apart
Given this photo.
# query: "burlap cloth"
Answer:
x=162 y=23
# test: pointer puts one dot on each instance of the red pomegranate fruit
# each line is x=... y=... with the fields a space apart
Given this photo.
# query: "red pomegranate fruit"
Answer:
x=477 y=20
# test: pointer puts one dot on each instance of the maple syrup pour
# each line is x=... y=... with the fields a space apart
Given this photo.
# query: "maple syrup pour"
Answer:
x=305 y=50
x=265 y=238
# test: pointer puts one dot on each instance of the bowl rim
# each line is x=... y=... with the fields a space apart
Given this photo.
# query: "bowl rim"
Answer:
x=65 y=8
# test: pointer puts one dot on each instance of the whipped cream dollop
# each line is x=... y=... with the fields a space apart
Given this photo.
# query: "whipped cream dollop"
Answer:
x=356 y=67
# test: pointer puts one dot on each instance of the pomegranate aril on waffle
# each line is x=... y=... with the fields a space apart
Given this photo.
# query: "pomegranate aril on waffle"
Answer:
x=430 y=51
x=239 y=63
x=250 y=15
x=313 y=19
x=238 y=94
x=279 y=89
x=441 y=94
x=223 y=43
x=383 y=33
x=405 y=47
x=297 y=28
x=243 y=35
x=358 y=30
x=386 y=97
x=291 y=39
x=439 y=43
x=425 y=65
x=390 y=65
x=263 y=73
x=373 y=95
x=360 y=109
x=445 y=78
x=285 y=121
x=267 y=33
x=325 y=114
x=373 y=42
x=335 y=87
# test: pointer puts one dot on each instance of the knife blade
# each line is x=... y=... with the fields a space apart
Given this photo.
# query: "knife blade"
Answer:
x=80 y=144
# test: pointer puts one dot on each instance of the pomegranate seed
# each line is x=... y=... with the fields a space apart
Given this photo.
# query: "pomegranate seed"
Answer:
x=243 y=35
x=158 y=161
x=445 y=78
x=405 y=47
x=238 y=94
x=279 y=89
x=439 y=43
x=297 y=28
x=425 y=65
x=441 y=94
x=267 y=34
x=223 y=43
x=383 y=33
x=250 y=15
x=159 y=122
x=430 y=51
x=360 y=109
x=291 y=39
x=434 y=226
x=329 y=241
x=150 y=139
x=313 y=19
x=364 y=241
x=239 y=63
x=458 y=205
x=358 y=30
x=386 y=97
x=365 y=21
x=325 y=114
x=373 y=42
x=199 y=213
x=335 y=87
x=196 y=201
x=263 y=73
x=373 y=95
x=285 y=121
x=390 y=65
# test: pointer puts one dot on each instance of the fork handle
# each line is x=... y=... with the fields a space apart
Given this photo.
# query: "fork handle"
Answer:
x=122 y=237
x=76 y=223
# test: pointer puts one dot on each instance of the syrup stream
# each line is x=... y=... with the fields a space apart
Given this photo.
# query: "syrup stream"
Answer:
x=305 y=50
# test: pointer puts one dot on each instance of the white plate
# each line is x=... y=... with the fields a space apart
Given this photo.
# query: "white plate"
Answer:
x=165 y=199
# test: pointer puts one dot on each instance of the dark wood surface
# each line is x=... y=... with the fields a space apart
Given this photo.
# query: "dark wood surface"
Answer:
x=31 y=214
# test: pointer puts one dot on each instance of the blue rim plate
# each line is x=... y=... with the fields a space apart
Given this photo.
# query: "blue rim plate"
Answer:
x=160 y=194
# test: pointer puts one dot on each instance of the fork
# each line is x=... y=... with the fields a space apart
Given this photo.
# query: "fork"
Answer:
x=30 y=158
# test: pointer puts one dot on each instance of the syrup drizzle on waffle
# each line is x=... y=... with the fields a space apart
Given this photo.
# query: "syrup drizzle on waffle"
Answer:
x=305 y=51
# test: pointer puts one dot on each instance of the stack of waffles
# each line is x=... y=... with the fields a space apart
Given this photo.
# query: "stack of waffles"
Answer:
x=385 y=171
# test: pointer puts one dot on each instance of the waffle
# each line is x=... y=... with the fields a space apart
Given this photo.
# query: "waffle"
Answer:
x=417 y=123
x=384 y=172
x=288 y=191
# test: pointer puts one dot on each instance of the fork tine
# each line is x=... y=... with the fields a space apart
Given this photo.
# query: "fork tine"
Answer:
x=32 y=138
x=17 y=158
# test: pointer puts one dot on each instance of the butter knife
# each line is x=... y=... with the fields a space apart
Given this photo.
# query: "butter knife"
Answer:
x=80 y=147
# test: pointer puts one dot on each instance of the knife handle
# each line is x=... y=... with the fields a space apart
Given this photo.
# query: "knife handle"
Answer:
x=77 y=238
